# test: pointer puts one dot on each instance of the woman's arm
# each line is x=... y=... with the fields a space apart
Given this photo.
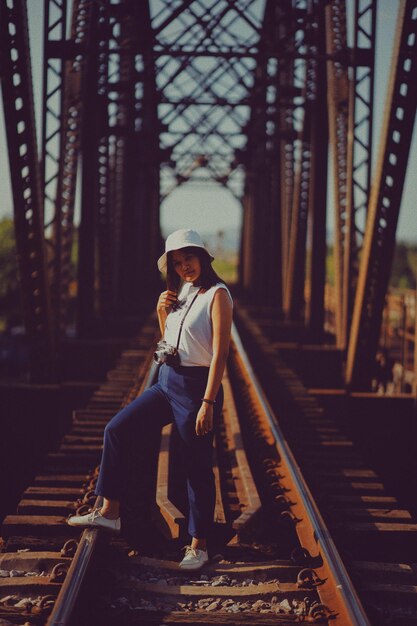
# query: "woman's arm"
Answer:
x=221 y=318
x=165 y=301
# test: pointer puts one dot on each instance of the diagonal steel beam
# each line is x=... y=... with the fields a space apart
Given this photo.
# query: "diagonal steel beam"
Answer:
x=17 y=92
x=385 y=202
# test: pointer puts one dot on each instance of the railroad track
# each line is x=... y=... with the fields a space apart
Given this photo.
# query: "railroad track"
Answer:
x=272 y=557
x=375 y=535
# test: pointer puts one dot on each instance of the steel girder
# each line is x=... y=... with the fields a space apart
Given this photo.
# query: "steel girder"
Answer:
x=350 y=102
x=308 y=198
x=359 y=161
x=205 y=59
x=119 y=230
x=64 y=61
x=261 y=200
x=338 y=106
x=385 y=200
x=286 y=24
x=93 y=147
x=140 y=208
x=316 y=245
x=17 y=91
x=269 y=159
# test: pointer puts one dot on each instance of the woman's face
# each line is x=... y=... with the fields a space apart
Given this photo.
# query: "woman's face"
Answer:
x=187 y=265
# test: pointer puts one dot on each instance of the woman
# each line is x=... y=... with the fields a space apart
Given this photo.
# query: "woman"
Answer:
x=195 y=317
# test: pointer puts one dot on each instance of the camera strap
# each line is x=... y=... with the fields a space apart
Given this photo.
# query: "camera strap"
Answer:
x=184 y=316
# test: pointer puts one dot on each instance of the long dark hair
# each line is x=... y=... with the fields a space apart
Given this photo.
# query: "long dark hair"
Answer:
x=208 y=276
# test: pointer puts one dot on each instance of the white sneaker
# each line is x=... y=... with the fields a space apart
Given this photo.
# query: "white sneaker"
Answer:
x=96 y=520
x=193 y=559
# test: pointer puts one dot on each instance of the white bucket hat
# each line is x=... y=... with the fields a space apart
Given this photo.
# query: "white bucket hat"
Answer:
x=181 y=239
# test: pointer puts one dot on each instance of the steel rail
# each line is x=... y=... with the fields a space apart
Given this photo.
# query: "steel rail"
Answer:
x=329 y=552
x=74 y=579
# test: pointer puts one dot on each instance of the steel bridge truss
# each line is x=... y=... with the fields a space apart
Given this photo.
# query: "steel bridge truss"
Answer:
x=140 y=98
x=17 y=92
x=350 y=105
x=205 y=59
x=385 y=201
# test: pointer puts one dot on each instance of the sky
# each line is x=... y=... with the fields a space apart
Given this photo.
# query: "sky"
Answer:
x=210 y=207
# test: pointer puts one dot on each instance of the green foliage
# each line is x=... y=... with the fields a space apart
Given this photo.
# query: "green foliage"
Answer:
x=9 y=280
x=403 y=274
x=404 y=267
x=330 y=265
x=226 y=268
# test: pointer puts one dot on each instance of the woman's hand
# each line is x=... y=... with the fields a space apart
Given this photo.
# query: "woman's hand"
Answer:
x=166 y=300
x=204 y=421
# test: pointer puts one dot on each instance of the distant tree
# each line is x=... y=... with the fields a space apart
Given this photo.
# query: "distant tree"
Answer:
x=404 y=266
x=403 y=273
x=412 y=262
x=9 y=280
x=330 y=265
x=10 y=296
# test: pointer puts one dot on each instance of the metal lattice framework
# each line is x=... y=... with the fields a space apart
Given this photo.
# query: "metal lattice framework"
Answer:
x=350 y=103
x=295 y=279
x=64 y=61
x=269 y=156
x=17 y=91
x=338 y=106
x=385 y=201
x=141 y=97
x=359 y=161
x=121 y=165
x=205 y=59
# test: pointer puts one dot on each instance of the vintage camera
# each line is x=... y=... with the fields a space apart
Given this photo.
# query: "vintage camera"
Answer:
x=165 y=353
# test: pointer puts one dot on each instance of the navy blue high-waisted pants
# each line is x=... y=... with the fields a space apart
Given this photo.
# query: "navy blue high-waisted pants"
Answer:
x=175 y=397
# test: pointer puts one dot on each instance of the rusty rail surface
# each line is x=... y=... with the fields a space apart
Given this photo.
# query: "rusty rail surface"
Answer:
x=67 y=597
x=311 y=528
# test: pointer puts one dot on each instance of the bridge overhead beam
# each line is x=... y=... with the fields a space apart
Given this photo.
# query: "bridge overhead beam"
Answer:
x=385 y=201
x=205 y=57
x=17 y=92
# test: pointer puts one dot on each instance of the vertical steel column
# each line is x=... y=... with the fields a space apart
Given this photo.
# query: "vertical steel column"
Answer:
x=350 y=119
x=104 y=217
x=269 y=161
x=17 y=91
x=359 y=150
x=258 y=185
x=385 y=202
x=294 y=304
x=285 y=23
x=133 y=162
x=91 y=126
x=338 y=106
x=63 y=75
x=130 y=230
x=246 y=252
x=116 y=152
x=318 y=190
x=54 y=54
x=148 y=161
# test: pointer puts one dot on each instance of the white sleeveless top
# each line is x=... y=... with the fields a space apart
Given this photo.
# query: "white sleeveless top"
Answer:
x=196 y=339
